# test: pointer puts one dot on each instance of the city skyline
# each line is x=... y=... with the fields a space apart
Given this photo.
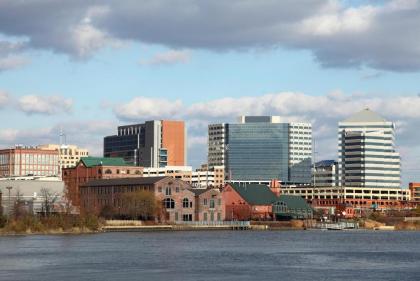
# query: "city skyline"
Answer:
x=88 y=72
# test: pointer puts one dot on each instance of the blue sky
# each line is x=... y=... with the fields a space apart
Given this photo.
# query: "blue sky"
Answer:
x=105 y=63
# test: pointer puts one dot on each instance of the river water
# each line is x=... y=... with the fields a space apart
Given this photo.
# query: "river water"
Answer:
x=213 y=255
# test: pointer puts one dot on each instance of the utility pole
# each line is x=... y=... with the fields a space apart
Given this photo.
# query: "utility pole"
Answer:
x=8 y=204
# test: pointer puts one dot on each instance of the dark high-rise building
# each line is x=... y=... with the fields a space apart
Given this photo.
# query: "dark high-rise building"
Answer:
x=151 y=144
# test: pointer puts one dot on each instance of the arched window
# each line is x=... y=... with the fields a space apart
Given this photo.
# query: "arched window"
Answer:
x=108 y=171
x=169 y=203
x=118 y=171
x=185 y=203
x=168 y=191
x=137 y=172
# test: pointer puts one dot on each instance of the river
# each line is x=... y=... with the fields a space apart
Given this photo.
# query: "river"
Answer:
x=213 y=255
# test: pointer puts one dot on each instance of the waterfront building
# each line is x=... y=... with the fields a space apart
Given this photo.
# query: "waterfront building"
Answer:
x=367 y=154
x=261 y=148
x=176 y=196
x=26 y=160
x=358 y=197
x=288 y=207
x=209 y=205
x=32 y=194
x=261 y=202
x=69 y=155
x=96 y=168
x=414 y=188
x=326 y=173
x=155 y=144
x=248 y=201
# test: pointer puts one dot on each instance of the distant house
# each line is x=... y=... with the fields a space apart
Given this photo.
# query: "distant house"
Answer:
x=291 y=207
x=248 y=201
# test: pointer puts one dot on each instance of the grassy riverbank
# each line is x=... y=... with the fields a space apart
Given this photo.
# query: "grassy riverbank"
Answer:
x=54 y=224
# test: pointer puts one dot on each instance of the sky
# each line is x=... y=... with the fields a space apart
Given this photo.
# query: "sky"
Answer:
x=86 y=67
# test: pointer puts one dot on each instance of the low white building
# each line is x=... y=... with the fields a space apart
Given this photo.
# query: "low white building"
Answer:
x=31 y=191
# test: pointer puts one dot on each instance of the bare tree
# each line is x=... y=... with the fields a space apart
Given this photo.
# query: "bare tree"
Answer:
x=48 y=200
x=18 y=209
x=141 y=204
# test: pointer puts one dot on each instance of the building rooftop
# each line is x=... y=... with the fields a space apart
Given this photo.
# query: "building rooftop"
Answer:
x=294 y=202
x=103 y=161
x=124 y=181
x=325 y=163
x=366 y=115
x=255 y=194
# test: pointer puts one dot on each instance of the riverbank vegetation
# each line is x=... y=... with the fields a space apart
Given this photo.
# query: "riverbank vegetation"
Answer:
x=51 y=224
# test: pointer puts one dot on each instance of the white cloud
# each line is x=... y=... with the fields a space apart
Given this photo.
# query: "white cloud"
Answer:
x=141 y=108
x=324 y=112
x=13 y=62
x=168 y=58
x=377 y=34
x=48 y=105
x=4 y=98
x=87 y=134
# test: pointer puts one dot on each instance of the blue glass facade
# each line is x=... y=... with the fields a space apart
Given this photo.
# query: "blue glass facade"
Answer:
x=258 y=151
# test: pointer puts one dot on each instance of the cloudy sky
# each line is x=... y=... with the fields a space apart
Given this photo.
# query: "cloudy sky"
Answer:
x=87 y=66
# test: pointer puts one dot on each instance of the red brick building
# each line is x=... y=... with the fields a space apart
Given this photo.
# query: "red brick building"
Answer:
x=414 y=191
x=90 y=168
x=24 y=161
x=209 y=205
x=177 y=198
x=246 y=202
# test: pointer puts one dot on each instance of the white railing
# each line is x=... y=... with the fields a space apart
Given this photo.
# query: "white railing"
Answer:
x=216 y=223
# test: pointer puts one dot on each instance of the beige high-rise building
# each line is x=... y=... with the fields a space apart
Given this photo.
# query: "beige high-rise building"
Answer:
x=69 y=154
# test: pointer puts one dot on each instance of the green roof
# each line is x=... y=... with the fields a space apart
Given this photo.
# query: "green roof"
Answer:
x=294 y=202
x=255 y=194
x=103 y=161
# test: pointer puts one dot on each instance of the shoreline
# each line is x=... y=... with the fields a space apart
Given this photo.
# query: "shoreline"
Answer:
x=169 y=228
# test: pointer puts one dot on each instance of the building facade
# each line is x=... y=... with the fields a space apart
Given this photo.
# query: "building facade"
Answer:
x=90 y=168
x=262 y=148
x=176 y=197
x=69 y=155
x=33 y=194
x=216 y=155
x=357 y=197
x=367 y=154
x=151 y=144
x=414 y=188
x=326 y=173
x=209 y=205
x=24 y=161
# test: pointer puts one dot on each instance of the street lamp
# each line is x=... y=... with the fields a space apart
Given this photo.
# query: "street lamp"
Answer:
x=8 y=204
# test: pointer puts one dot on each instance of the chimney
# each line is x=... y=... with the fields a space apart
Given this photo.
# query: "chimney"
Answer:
x=275 y=187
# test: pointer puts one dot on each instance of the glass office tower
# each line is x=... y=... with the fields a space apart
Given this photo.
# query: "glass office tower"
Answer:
x=262 y=148
x=258 y=151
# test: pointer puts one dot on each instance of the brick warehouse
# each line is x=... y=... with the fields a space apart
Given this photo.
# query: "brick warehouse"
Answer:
x=90 y=168
x=180 y=203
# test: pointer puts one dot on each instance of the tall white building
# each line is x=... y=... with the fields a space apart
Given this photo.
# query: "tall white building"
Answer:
x=216 y=145
x=367 y=154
